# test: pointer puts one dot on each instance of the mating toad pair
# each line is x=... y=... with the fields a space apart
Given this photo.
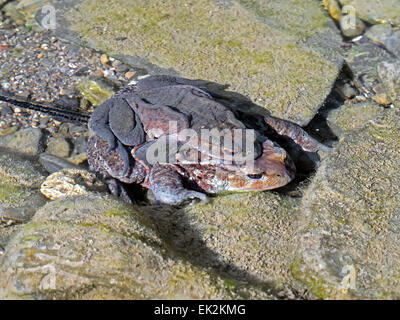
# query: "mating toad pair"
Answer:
x=125 y=126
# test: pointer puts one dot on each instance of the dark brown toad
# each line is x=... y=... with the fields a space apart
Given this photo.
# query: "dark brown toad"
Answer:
x=188 y=129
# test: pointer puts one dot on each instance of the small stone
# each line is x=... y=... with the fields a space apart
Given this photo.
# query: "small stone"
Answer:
x=53 y=163
x=382 y=99
x=143 y=76
x=5 y=110
x=44 y=121
x=69 y=183
x=58 y=147
x=104 y=59
x=8 y=130
x=78 y=159
x=6 y=85
x=333 y=8
x=109 y=74
x=129 y=74
x=347 y=91
x=389 y=74
x=95 y=90
x=379 y=33
x=98 y=73
x=40 y=55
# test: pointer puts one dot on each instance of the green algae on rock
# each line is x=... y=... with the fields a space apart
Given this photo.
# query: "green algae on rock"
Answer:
x=98 y=248
x=23 y=11
x=94 y=90
x=20 y=181
x=353 y=116
x=349 y=234
x=27 y=141
x=223 y=43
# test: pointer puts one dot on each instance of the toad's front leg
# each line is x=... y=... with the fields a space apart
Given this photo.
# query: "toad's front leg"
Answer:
x=167 y=187
x=296 y=133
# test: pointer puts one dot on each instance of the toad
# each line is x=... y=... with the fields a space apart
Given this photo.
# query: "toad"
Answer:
x=174 y=137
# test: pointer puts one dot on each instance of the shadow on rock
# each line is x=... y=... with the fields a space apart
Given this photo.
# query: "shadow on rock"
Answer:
x=185 y=239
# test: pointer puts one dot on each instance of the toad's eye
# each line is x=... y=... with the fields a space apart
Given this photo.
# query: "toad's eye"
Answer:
x=255 y=176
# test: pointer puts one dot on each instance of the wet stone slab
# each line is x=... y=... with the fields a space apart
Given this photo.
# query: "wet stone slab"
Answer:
x=288 y=71
x=349 y=231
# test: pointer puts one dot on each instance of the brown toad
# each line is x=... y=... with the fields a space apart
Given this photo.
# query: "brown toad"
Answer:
x=169 y=115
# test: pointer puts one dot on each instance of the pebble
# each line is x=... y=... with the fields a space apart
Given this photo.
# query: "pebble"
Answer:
x=379 y=33
x=26 y=141
x=382 y=99
x=53 y=163
x=98 y=73
x=70 y=183
x=58 y=147
x=104 y=59
x=129 y=75
x=78 y=159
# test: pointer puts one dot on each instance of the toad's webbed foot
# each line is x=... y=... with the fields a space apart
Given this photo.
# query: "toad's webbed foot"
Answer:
x=117 y=189
x=167 y=187
x=115 y=122
x=125 y=124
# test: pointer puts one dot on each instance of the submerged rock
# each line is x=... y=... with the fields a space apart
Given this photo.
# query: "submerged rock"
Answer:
x=350 y=231
x=277 y=60
x=379 y=33
x=248 y=236
x=374 y=12
x=99 y=248
x=20 y=180
x=363 y=59
x=389 y=73
x=95 y=90
x=71 y=182
x=28 y=141
x=59 y=147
